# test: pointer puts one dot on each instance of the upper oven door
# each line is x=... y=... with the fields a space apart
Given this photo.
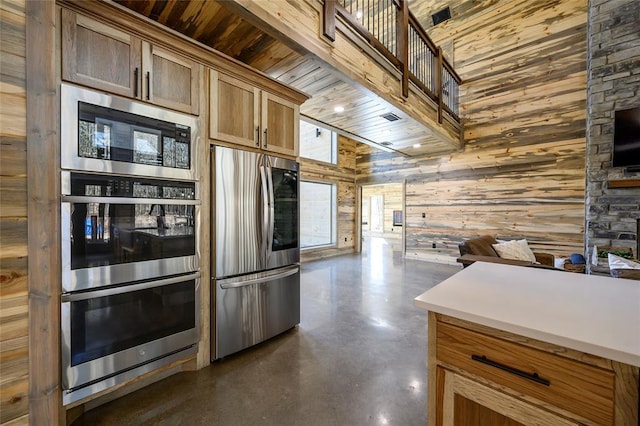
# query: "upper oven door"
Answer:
x=105 y=133
x=118 y=229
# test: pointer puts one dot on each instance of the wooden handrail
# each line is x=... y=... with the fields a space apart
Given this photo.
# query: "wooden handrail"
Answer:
x=404 y=21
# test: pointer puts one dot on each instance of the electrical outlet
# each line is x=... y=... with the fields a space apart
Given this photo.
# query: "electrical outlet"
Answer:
x=345 y=239
x=424 y=215
x=433 y=245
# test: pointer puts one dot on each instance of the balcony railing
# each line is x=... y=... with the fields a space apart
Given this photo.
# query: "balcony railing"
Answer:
x=391 y=28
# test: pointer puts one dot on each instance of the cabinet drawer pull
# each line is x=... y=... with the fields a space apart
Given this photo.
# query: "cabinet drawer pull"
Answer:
x=148 y=85
x=530 y=376
x=135 y=82
x=266 y=141
x=258 y=136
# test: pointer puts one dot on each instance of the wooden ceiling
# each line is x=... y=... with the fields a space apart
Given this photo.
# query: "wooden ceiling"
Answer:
x=214 y=25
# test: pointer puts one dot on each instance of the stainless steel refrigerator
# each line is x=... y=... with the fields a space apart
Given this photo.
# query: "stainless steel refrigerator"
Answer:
x=256 y=252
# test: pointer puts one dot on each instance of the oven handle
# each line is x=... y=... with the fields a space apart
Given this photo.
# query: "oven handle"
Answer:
x=126 y=200
x=75 y=297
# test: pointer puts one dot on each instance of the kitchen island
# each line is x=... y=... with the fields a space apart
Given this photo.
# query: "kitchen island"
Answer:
x=513 y=345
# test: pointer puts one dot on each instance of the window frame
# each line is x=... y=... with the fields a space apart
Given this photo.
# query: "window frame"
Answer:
x=334 y=143
x=334 y=214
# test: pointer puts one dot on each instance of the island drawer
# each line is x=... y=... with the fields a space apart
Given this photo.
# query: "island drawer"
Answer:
x=567 y=384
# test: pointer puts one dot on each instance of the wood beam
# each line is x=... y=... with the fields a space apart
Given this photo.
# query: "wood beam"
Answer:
x=43 y=212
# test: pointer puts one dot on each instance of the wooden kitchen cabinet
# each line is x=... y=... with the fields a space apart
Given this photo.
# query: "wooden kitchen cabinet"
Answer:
x=243 y=114
x=170 y=80
x=109 y=59
x=485 y=376
x=466 y=402
x=280 y=125
x=100 y=56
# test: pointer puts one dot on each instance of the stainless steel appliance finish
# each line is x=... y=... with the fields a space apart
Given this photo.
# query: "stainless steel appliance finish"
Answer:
x=134 y=133
x=127 y=239
x=108 y=332
x=257 y=282
x=130 y=239
x=256 y=227
x=255 y=307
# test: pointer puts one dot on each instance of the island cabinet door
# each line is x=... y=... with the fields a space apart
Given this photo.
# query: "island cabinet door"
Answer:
x=466 y=402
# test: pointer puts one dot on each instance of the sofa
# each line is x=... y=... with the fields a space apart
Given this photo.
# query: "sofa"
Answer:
x=480 y=249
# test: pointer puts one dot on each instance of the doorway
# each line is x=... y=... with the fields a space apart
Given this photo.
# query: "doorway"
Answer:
x=381 y=219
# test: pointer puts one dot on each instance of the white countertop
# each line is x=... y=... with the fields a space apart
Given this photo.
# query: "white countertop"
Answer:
x=593 y=314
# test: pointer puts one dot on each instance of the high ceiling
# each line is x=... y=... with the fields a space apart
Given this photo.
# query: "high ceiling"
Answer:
x=215 y=25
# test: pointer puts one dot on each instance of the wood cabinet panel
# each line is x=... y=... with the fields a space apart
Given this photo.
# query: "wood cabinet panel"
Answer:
x=170 y=80
x=574 y=386
x=106 y=58
x=467 y=402
x=245 y=115
x=281 y=123
x=99 y=56
x=234 y=112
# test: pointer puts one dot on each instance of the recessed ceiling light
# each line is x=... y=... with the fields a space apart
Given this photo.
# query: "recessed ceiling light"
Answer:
x=339 y=109
x=416 y=145
x=359 y=14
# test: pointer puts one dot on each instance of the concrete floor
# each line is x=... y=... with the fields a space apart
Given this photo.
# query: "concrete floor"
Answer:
x=358 y=357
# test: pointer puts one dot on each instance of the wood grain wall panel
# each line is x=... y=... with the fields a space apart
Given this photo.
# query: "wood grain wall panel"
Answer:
x=522 y=172
x=14 y=321
x=343 y=175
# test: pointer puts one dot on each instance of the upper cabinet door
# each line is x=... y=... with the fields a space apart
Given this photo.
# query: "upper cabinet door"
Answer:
x=99 y=56
x=170 y=80
x=234 y=110
x=280 y=125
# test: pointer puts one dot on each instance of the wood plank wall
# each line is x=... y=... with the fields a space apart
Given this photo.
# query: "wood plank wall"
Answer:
x=522 y=171
x=343 y=174
x=14 y=356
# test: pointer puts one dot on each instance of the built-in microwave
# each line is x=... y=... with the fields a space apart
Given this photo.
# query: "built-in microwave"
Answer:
x=109 y=134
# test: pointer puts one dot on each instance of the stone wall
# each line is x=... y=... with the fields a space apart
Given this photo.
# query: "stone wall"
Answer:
x=613 y=84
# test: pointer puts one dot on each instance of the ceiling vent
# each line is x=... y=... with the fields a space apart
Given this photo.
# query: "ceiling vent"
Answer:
x=385 y=143
x=390 y=116
x=443 y=15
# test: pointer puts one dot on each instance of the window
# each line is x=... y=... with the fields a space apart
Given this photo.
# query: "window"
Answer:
x=317 y=214
x=318 y=143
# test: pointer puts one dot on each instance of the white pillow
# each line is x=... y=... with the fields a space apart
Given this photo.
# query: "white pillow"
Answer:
x=516 y=250
x=617 y=262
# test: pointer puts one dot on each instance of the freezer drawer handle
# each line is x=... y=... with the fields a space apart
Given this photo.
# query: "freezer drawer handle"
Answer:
x=226 y=285
x=530 y=376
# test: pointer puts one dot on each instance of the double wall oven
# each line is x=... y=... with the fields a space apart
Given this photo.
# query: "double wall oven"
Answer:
x=130 y=223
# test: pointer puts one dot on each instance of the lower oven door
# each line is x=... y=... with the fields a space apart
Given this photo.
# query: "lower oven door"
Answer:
x=112 y=330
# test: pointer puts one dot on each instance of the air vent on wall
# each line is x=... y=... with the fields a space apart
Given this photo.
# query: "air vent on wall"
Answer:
x=390 y=116
x=443 y=15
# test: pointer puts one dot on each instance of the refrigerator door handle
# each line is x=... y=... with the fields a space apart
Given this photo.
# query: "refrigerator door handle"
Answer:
x=257 y=278
x=271 y=209
x=265 y=209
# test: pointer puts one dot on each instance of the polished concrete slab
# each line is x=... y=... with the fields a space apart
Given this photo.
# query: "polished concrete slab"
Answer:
x=358 y=357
